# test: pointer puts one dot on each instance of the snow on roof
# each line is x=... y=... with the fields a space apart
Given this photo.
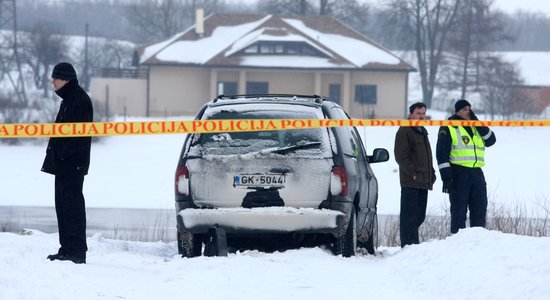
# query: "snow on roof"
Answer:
x=285 y=61
x=153 y=49
x=262 y=35
x=244 y=107
x=342 y=48
x=202 y=50
x=356 y=51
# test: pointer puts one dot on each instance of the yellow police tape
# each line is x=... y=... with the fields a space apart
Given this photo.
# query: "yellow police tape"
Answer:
x=213 y=126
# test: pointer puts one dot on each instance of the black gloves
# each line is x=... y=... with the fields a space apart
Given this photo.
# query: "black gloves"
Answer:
x=447 y=186
x=473 y=116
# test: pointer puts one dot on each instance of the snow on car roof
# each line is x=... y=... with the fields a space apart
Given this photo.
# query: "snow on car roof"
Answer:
x=284 y=106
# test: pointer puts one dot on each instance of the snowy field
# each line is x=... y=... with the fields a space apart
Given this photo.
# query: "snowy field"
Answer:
x=137 y=172
x=473 y=264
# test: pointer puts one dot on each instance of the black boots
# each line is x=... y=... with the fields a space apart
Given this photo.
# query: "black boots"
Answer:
x=74 y=259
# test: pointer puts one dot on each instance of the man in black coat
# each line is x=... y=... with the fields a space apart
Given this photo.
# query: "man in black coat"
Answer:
x=68 y=159
x=460 y=155
x=416 y=174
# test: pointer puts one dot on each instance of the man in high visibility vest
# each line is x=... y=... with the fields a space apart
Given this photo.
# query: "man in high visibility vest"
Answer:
x=460 y=155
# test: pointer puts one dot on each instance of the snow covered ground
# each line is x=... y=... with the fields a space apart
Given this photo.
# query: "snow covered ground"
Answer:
x=473 y=264
x=137 y=172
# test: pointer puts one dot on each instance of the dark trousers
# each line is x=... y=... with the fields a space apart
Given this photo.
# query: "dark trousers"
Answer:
x=412 y=214
x=71 y=215
x=469 y=191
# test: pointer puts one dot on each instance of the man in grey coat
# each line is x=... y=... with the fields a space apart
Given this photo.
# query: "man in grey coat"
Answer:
x=416 y=173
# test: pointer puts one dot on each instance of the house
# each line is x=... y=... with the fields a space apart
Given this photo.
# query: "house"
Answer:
x=255 y=54
x=534 y=99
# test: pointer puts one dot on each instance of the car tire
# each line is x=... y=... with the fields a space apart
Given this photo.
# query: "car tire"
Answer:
x=346 y=244
x=372 y=242
x=189 y=245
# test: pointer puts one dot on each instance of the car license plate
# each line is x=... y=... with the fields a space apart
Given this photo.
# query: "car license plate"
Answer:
x=259 y=180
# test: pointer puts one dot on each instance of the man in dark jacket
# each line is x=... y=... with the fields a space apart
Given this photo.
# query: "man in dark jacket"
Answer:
x=414 y=156
x=68 y=159
x=460 y=155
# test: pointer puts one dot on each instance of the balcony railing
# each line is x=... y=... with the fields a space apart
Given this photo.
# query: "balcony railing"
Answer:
x=123 y=73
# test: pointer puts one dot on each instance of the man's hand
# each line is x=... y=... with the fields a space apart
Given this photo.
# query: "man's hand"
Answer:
x=447 y=186
x=473 y=115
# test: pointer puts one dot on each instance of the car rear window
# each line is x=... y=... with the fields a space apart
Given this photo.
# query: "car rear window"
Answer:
x=314 y=141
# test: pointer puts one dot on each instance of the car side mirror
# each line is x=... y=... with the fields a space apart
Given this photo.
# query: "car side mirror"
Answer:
x=379 y=155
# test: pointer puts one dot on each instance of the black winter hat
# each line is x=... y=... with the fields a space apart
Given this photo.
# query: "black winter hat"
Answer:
x=460 y=104
x=64 y=71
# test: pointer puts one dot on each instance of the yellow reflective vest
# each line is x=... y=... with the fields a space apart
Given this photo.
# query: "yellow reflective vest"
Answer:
x=466 y=151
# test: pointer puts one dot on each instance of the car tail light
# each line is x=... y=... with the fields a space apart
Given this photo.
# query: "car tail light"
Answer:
x=339 y=181
x=182 y=180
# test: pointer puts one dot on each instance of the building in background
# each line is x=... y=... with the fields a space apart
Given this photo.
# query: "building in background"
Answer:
x=256 y=54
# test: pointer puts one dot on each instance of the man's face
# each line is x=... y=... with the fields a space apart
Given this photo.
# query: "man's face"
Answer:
x=58 y=83
x=464 y=113
x=418 y=114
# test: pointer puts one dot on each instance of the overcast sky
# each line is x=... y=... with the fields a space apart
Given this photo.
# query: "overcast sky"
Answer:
x=511 y=6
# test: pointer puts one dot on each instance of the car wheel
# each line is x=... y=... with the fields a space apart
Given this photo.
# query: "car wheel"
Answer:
x=189 y=245
x=372 y=242
x=346 y=244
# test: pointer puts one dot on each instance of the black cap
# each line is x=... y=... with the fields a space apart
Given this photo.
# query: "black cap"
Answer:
x=64 y=71
x=460 y=104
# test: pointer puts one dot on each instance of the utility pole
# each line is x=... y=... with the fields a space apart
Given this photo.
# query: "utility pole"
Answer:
x=86 y=78
x=10 y=63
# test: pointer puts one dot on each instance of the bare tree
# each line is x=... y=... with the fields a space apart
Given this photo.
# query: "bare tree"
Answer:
x=42 y=49
x=107 y=54
x=351 y=12
x=498 y=79
x=428 y=22
x=158 y=19
x=477 y=29
x=286 y=7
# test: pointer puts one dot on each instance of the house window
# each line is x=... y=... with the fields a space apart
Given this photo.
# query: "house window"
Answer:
x=256 y=87
x=266 y=49
x=227 y=88
x=365 y=94
x=279 y=49
x=334 y=92
x=251 y=49
x=282 y=48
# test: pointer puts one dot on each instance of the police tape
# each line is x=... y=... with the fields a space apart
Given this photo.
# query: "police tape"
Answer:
x=216 y=126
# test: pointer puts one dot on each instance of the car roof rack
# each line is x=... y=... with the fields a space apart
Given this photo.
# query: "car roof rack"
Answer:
x=315 y=98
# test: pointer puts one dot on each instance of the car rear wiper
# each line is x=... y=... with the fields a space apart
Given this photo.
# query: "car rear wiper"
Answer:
x=283 y=150
x=298 y=146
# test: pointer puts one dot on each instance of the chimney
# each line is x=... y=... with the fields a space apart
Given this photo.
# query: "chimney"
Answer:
x=199 y=22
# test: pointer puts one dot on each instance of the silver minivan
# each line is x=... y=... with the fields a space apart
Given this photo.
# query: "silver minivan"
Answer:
x=311 y=182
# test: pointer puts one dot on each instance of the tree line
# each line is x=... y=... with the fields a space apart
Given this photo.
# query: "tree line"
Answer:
x=116 y=19
x=453 y=40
